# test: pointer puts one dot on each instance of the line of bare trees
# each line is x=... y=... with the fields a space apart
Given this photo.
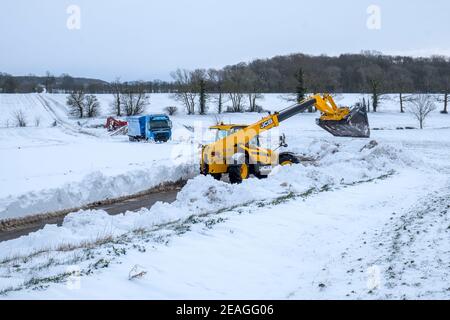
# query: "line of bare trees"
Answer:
x=130 y=98
x=83 y=105
x=232 y=90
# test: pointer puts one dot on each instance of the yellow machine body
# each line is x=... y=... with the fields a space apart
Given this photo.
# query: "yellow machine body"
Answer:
x=237 y=147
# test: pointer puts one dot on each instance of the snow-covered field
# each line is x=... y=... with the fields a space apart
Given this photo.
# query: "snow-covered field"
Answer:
x=366 y=220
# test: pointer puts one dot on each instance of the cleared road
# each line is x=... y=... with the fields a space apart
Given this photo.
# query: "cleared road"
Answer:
x=131 y=204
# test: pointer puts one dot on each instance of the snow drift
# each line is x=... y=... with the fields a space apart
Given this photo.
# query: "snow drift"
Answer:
x=94 y=187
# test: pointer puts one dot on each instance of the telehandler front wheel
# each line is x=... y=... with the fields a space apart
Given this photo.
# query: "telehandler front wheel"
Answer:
x=239 y=172
x=287 y=159
x=205 y=171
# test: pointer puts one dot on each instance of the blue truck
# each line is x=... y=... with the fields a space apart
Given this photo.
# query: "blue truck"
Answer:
x=153 y=127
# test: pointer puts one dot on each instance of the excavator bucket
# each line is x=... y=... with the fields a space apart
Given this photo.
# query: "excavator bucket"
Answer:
x=355 y=125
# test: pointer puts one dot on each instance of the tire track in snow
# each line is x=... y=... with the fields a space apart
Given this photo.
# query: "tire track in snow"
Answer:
x=66 y=126
x=417 y=258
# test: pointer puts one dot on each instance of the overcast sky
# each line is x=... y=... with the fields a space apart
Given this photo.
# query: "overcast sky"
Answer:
x=147 y=39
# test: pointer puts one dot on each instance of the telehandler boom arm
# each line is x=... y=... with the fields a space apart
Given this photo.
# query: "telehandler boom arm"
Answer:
x=341 y=122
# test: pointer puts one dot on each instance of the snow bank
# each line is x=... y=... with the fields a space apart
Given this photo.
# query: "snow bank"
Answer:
x=94 y=187
x=336 y=164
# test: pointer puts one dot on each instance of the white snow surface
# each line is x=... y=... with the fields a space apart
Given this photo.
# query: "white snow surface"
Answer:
x=364 y=221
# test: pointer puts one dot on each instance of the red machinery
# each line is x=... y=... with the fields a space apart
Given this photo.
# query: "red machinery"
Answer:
x=114 y=124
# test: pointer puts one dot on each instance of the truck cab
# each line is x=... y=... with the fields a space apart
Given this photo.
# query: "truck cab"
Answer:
x=154 y=127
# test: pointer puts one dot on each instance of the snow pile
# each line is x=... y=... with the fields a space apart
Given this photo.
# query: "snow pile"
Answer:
x=94 y=187
x=336 y=165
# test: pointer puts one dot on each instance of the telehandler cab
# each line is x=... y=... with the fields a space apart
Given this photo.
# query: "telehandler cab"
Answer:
x=237 y=151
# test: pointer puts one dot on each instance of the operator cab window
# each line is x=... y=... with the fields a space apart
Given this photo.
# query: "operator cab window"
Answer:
x=254 y=142
x=222 y=134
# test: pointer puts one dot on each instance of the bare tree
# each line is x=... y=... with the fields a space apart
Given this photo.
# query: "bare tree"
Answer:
x=186 y=92
x=373 y=78
x=171 y=110
x=252 y=101
x=134 y=99
x=37 y=121
x=220 y=99
x=236 y=99
x=403 y=99
x=92 y=106
x=216 y=78
x=402 y=83
x=444 y=89
x=218 y=119
x=76 y=103
x=50 y=81
x=116 y=88
x=421 y=106
x=254 y=85
x=20 y=118
x=364 y=102
x=375 y=86
x=235 y=86
x=199 y=83
x=444 y=100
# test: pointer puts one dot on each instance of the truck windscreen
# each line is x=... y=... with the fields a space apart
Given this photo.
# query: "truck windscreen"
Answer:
x=158 y=124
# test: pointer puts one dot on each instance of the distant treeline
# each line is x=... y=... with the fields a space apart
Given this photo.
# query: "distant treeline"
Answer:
x=68 y=84
x=348 y=73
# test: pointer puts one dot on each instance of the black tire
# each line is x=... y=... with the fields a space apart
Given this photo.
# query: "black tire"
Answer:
x=260 y=176
x=234 y=173
x=205 y=171
x=287 y=158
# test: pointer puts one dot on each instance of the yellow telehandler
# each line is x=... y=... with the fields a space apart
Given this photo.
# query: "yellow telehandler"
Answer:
x=237 y=151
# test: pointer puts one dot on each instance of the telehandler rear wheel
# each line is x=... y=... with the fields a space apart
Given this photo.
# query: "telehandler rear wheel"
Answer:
x=239 y=172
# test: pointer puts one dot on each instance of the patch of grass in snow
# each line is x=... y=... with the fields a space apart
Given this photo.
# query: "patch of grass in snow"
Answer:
x=100 y=264
x=39 y=283
x=193 y=219
x=382 y=177
x=36 y=283
x=117 y=251
x=23 y=258
x=182 y=229
x=283 y=199
x=7 y=290
x=212 y=222
x=63 y=247
x=76 y=258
